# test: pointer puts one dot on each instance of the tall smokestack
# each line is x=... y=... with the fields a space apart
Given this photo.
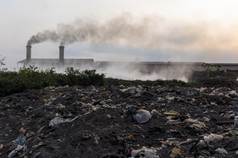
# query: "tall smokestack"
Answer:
x=61 y=54
x=28 y=53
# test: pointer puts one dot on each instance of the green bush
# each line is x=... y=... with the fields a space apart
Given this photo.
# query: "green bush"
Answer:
x=33 y=78
x=10 y=86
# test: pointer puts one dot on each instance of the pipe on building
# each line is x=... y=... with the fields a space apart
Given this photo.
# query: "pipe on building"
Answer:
x=28 y=53
x=61 y=54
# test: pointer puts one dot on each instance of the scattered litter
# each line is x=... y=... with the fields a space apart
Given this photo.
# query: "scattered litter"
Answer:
x=58 y=120
x=195 y=123
x=19 y=140
x=175 y=152
x=36 y=155
x=171 y=139
x=142 y=116
x=131 y=137
x=221 y=151
x=202 y=144
x=144 y=152
x=236 y=123
x=170 y=113
x=15 y=151
x=120 y=121
x=38 y=145
x=212 y=138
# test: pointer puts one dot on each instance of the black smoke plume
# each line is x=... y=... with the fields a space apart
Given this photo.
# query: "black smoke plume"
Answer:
x=124 y=29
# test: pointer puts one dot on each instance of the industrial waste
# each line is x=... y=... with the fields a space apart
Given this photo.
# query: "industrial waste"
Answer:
x=119 y=122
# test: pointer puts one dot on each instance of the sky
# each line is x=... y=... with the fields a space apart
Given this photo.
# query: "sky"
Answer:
x=174 y=30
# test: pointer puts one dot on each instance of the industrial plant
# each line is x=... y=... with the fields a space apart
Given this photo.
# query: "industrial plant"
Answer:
x=168 y=70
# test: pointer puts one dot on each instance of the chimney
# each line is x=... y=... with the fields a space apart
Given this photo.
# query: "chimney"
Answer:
x=28 y=53
x=61 y=54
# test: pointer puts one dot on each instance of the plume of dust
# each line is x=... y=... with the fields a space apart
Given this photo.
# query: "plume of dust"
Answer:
x=132 y=71
x=125 y=70
x=129 y=71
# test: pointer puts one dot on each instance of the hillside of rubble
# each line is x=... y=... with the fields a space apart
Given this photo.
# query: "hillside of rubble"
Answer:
x=119 y=121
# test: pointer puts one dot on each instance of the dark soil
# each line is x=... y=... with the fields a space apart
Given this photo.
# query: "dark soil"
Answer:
x=103 y=124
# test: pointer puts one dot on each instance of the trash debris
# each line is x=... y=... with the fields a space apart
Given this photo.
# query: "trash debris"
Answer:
x=144 y=152
x=120 y=121
x=131 y=137
x=171 y=139
x=221 y=151
x=19 y=140
x=202 y=144
x=171 y=113
x=212 y=138
x=59 y=120
x=142 y=116
x=236 y=123
x=38 y=145
x=36 y=155
x=195 y=123
x=14 y=152
x=22 y=130
x=175 y=151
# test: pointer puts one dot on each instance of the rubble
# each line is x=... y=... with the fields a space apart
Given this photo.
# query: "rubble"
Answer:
x=120 y=121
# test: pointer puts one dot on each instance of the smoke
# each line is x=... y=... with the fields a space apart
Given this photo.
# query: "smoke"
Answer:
x=44 y=36
x=146 y=32
x=124 y=29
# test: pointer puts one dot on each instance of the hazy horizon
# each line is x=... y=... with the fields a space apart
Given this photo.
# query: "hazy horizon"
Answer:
x=154 y=30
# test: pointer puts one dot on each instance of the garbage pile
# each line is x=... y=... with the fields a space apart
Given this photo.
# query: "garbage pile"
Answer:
x=120 y=122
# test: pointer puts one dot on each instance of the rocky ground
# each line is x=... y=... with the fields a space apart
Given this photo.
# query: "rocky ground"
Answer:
x=120 y=121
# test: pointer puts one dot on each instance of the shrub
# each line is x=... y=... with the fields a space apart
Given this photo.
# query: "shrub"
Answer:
x=10 y=86
x=33 y=78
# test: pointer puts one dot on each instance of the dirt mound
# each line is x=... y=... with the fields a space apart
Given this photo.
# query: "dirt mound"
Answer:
x=120 y=122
